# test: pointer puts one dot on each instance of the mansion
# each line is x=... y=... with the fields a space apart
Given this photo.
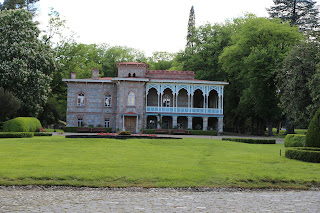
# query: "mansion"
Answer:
x=145 y=99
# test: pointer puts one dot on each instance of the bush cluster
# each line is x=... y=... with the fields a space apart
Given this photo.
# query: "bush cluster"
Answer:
x=16 y=134
x=313 y=135
x=22 y=124
x=294 y=140
x=42 y=134
x=124 y=133
x=308 y=154
x=250 y=140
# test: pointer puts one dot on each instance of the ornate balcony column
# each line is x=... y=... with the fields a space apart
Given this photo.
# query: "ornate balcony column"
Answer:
x=205 y=123
x=190 y=122
x=158 y=124
x=220 y=126
x=174 y=121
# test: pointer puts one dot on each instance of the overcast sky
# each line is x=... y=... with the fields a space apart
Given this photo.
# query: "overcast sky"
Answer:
x=147 y=25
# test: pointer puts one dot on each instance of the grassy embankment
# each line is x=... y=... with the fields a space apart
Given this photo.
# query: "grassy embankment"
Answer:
x=150 y=163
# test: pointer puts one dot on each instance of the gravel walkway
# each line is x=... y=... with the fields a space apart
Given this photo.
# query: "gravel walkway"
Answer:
x=60 y=199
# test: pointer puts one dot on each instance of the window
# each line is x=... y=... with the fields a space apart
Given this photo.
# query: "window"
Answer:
x=166 y=100
x=129 y=75
x=106 y=123
x=134 y=75
x=131 y=99
x=80 y=123
x=107 y=100
x=80 y=101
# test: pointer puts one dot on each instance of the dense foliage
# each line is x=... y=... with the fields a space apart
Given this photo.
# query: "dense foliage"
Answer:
x=303 y=14
x=258 y=46
x=313 y=135
x=26 y=64
x=297 y=76
x=9 y=104
x=294 y=140
x=22 y=124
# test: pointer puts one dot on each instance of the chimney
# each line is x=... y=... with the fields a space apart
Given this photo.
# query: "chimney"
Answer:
x=73 y=75
x=95 y=74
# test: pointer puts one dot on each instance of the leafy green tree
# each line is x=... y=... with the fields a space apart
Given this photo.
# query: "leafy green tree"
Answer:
x=302 y=13
x=116 y=54
x=20 y=4
x=295 y=83
x=203 y=57
x=313 y=135
x=26 y=63
x=9 y=104
x=161 y=61
x=250 y=62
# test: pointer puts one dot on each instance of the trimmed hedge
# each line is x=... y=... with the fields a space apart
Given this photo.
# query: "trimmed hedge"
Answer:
x=16 y=134
x=70 y=129
x=313 y=135
x=294 y=140
x=75 y=129
x=308 y=154
x=250 y=140
x=22 y=124
x=42 y=134
x=150 y=131
x=204 y=132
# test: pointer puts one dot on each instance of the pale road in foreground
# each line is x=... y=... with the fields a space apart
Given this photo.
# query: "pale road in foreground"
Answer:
x=16 y=199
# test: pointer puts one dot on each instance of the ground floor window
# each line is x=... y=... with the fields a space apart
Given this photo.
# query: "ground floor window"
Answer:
x=80 y=122
x=106 y=123
x=152 y=124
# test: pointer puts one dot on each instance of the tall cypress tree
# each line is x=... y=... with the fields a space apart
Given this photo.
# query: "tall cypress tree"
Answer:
x=302 y=13
x=191 y=27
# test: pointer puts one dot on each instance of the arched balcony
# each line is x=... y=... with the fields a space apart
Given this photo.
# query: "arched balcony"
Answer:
x=184 y=98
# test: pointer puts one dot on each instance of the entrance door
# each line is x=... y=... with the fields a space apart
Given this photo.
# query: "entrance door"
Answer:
x=130 y=123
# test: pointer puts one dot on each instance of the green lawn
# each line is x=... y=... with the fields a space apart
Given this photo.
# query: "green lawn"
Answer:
x=282 y=133
x=150 y=163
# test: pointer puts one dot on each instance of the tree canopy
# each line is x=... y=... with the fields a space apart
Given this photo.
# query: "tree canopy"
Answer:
x=250 y=62
x=302 y=13
x=26 y=64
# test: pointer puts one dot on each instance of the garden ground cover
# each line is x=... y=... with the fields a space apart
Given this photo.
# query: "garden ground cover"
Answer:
x=188 y=162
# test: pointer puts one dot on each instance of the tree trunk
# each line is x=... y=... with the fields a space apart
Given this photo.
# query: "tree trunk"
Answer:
x=289 y=126
x=270 y=133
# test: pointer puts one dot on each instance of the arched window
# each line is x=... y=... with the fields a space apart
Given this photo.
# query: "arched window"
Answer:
x=107 y=100
x=131 y=99
x=134 y=75
x=129 y=75
x=80 y=99
x=166 y=100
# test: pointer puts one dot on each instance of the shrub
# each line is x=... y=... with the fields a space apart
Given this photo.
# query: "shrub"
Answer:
x=16 y=134
x=124 y=133
x=293 y=140
x=308 y=154
x=70 y=129
x=108 y=129
x=313 y=135
x=150 y=131
x=201 y=132
x=42 y=134
x=250 y=140
x=22 y=124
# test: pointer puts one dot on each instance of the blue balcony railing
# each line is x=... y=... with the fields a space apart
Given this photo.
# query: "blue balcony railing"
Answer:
x=184 y=110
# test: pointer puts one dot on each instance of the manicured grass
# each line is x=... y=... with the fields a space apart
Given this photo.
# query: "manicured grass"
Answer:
x=188 y=162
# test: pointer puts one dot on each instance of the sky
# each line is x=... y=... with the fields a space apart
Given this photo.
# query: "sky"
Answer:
x=147 y=25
